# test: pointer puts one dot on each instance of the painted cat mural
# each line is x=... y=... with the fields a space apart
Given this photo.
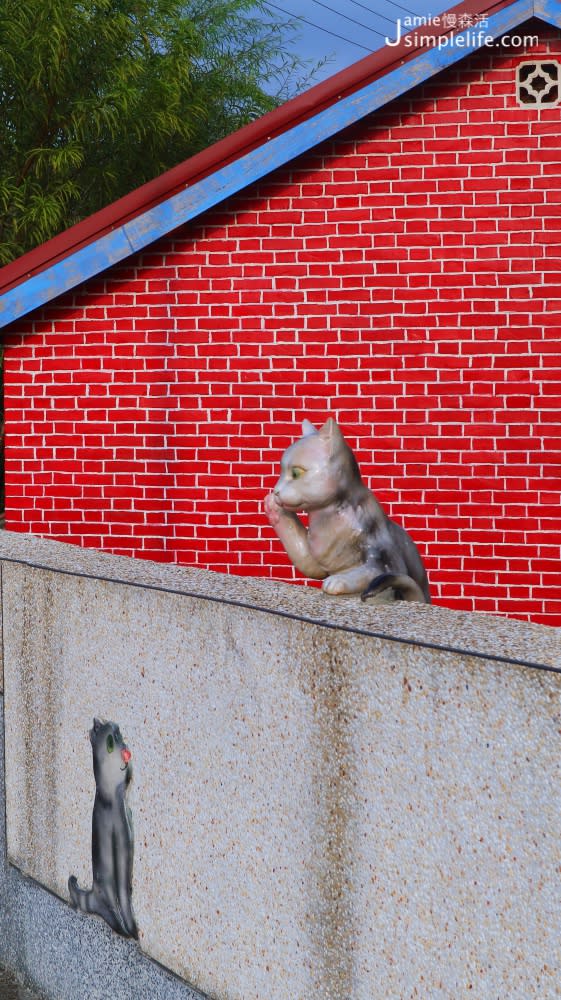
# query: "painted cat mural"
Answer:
x=112 y=836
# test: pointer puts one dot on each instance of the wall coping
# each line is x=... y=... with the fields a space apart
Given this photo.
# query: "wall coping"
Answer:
x=474 y=634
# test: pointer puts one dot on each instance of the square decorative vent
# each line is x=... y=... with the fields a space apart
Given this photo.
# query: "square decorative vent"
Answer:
x=538 y=83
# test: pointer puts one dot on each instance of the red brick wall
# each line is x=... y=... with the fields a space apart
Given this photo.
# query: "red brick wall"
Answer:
x=403 y=278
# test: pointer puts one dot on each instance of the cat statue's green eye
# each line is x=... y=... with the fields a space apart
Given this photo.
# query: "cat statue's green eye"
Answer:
x=296 y=472
x=110 y=744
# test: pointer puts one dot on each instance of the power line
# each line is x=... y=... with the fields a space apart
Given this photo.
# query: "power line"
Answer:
x=377 y=14
x=347 y=18
x=298 y=17
x=406 y=9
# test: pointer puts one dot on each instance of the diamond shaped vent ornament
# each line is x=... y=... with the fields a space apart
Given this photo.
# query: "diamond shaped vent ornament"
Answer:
x=538 y=83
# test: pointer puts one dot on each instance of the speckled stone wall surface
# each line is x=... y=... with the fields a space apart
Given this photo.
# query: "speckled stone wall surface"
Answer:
x=331 y=799
x=44 y=943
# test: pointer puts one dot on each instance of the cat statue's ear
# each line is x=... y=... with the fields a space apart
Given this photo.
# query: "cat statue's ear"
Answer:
x=97 y=724
x=331 y=434
x=308 y=428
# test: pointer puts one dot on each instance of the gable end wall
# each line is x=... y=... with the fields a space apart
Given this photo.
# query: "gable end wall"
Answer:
x=403 y=278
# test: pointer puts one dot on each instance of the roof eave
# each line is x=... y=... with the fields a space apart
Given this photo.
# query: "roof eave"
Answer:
x=183 y=193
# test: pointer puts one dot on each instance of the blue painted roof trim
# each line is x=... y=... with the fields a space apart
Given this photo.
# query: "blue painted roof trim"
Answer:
x=548 y=10
x=140 y=232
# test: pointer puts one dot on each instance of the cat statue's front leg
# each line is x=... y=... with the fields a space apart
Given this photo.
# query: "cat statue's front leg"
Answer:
x=350 y=581
x=294 y=537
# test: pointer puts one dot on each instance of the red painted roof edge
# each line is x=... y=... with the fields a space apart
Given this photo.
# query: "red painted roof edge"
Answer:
x=281 y=119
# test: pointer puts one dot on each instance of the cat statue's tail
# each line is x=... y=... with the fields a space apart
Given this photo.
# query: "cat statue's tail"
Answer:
x=405 y=588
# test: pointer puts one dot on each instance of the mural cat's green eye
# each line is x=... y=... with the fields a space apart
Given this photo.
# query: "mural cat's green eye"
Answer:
x=110 y=744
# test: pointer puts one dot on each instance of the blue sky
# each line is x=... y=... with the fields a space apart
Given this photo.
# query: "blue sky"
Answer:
x=350 y=29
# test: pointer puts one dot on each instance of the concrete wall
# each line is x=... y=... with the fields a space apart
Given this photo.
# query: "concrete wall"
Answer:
x=330 y=799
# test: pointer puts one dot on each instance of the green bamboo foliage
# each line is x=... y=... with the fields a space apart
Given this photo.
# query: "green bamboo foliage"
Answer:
x=100 y=96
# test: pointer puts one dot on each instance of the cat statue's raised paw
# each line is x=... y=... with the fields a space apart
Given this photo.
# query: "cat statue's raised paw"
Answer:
x=112 y=837
x=350 y=542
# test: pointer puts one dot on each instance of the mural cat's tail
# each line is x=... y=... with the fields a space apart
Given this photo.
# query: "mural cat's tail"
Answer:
x=92 y=901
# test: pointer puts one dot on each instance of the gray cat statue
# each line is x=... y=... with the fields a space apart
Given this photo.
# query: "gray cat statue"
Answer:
x=350 y=543
x=112 y=837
